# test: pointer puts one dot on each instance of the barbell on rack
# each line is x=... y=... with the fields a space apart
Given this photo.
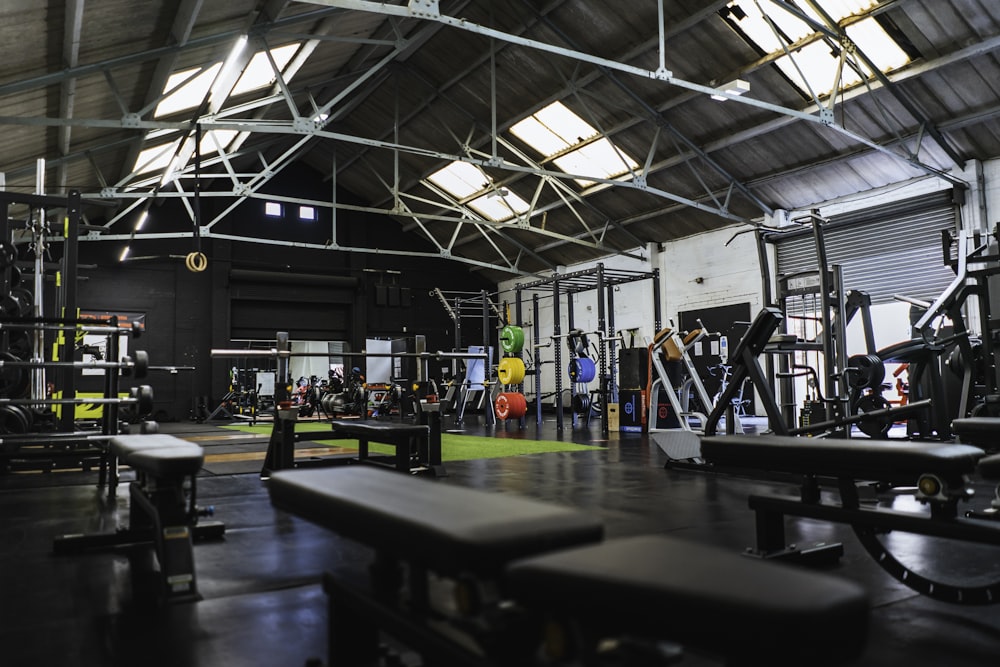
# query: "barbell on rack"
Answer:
x=135 y=329
x=137 y=365
x=141 y=397
x=274 y=353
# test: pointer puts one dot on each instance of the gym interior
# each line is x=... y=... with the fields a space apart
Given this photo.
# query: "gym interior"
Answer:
x=338 y=332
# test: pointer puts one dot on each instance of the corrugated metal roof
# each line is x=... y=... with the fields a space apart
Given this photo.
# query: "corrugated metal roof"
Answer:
x=432 y=90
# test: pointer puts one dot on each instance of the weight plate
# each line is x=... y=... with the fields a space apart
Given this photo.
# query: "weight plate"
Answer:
x=512 y=339
x=13 y=419
x=874 y=427
x=582 y=369
x=8 y=254
x=502 y=406
x=511 y=371
x=14 y=380
x=867 y=371
x=25 y=299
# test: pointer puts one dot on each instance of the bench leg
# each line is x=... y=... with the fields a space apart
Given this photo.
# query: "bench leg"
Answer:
x=164 y=511
x=352 y=638
x=772 y=544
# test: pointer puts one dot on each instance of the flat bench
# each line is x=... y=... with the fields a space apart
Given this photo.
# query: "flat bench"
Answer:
x=418 y=449
x=514 y=561
x=162 y=512
x=941 y=474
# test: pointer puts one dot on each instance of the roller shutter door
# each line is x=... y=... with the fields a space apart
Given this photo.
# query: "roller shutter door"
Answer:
x=885 y=250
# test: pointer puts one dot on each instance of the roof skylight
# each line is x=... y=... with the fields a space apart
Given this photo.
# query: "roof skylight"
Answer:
x=155 y=158
x=816 y=60
x=555 y=130
x=499 y=206
x=463 y=180
x=191 y=90
x=258 y=72
x=460 y=179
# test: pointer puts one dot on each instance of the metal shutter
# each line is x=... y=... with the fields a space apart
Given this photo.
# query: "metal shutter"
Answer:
x=884 y=250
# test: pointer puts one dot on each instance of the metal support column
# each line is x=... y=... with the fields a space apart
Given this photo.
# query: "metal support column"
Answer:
x=602 y=326
x=556 y=333
x=538 y=359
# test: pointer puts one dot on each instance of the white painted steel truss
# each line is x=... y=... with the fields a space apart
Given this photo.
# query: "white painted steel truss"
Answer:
x=289 y=137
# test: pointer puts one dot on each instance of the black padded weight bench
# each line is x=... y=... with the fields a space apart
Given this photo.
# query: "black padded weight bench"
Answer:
x=514 y=563
x=162 y=510
x=941 y=473
x=418 y=446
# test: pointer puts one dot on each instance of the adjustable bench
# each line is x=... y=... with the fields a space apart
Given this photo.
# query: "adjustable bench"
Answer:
x=513 y=562
x=983 y=432
x=940 y=472
x=418 y=446
x=162 y=510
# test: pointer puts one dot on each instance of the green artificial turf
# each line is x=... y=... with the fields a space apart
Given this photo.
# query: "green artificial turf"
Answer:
x=454 y=446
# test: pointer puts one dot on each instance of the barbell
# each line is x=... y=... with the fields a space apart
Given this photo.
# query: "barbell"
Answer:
x=274 y=353
x=137 y=366
x=141 y=397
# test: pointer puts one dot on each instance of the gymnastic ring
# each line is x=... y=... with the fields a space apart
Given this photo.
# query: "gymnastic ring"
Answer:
x=196 y=262
x=511 y=371
x=511 y=339
x=582 y=369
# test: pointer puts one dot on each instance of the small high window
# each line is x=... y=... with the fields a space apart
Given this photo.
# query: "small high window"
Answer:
x=307 y=213
x=273 y=209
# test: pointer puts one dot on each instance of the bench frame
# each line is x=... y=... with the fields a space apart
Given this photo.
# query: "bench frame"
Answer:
x=493 y=549
x=163 y=514
x=416 y=452
x=941 y=491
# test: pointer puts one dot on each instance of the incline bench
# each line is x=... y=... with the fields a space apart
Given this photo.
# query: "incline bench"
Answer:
x=162 y=510
x=512 y=563
x=941 y=473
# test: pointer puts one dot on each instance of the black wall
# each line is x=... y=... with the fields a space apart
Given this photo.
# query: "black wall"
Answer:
x=252 y=290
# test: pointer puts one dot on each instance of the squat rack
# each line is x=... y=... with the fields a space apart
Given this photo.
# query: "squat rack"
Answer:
x=603 y=281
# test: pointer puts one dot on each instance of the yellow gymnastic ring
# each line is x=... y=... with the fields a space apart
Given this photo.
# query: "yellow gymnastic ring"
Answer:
x=196 y=262
x=511 y=370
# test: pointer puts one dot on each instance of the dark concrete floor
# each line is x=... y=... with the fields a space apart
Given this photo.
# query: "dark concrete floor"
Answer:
x=263 y=604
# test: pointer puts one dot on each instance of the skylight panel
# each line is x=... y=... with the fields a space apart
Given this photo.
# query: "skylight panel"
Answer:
x=188 y=95
x=499 y=206
x=553 y=129
x=598 y=158
x=460 y=179
x=213 y=139
x=258 y=72
x=816 y=61
x=155 y=158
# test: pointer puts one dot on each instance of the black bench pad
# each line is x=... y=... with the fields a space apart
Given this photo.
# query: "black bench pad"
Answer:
x=378 y=431
x=158 y=454
x=978 y=431
x=448 y=528
x=667 y=588
x=881 y=460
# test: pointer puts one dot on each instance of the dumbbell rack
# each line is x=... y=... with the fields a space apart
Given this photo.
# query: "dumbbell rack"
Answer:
x=32 y=436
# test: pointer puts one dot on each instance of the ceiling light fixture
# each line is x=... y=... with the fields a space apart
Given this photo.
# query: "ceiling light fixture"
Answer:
x=734 y=88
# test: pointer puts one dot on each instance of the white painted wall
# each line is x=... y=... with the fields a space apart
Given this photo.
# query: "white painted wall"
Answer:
x=721 y=268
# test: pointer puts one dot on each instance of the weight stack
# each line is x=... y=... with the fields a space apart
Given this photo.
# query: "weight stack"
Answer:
x=633 y=364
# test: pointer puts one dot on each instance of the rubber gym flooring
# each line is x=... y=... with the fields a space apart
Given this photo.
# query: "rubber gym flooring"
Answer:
x=263 y=604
